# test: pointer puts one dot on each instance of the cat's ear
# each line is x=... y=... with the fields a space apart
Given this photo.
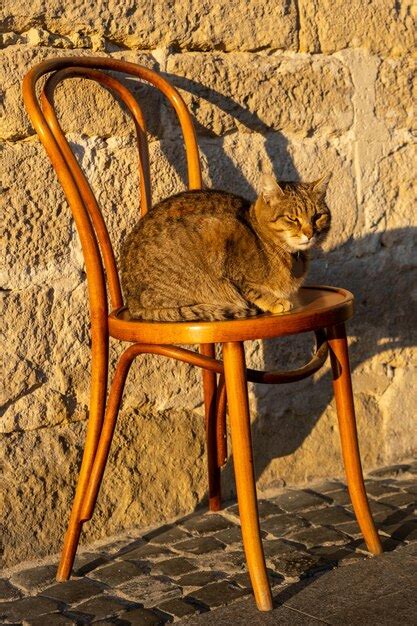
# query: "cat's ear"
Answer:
x=270 y=187
x=320 y=186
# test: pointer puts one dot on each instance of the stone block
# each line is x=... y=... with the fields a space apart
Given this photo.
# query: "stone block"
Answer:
x=54 y=619
x=141 y=25
x=379 y=26
x=148 y=551
x=8 y=591
x=295 y=565
x=257 y=93
x=36 y=578
x=177 y=608
x=206 y=524
x=117 y=573
x=396 y=93
x=175 y=567
x=73 y=591
x=148 y=590
x=200 y=545
x=26 y=608
x=312 y=537
x=281 y=525
x=103 y=606
x=141 y=617
x=329 y=516
x=166 y=535
x=199 y=578
x=296 y=501
x=82 y=106
x=216 y=594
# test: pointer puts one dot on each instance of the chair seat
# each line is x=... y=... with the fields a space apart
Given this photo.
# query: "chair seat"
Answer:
x=319 y=307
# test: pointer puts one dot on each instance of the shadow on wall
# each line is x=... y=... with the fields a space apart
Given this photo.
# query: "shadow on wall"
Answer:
x=376 y=267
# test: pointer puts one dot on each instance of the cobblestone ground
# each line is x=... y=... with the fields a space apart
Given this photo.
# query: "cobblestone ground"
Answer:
x=196 y=564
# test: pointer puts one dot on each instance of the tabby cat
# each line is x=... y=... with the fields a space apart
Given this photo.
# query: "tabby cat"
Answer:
x=212 y=255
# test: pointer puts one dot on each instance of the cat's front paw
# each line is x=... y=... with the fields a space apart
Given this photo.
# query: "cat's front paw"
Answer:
x=281 y=306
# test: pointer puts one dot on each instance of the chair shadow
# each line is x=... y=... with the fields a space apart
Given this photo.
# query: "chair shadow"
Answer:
x=371 y=266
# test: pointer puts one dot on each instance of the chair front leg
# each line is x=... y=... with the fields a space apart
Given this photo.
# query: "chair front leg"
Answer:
x=237 y=396
x=210 y=392
x=342 y=386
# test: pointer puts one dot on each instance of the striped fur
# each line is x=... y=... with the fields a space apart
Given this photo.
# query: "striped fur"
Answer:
x=212 y=255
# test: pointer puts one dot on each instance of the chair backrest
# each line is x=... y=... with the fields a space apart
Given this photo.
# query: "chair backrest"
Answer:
x=96 y=245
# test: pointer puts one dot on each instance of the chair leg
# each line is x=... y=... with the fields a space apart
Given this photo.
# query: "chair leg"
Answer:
x=221 y=406
x=237 y=395
x=99 y=373
x=209 y=386
x=342 y=386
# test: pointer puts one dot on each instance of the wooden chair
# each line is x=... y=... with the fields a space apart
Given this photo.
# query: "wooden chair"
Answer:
x=323 y=311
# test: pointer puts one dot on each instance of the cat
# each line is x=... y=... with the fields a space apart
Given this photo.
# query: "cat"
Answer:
x=212 y=255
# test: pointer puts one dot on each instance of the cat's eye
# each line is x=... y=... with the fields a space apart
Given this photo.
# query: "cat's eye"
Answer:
x=291 y=218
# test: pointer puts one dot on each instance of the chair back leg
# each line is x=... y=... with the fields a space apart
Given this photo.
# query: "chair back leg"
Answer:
x=342 y=386
x=99 y=373
x=210 y=395
x=237 y=396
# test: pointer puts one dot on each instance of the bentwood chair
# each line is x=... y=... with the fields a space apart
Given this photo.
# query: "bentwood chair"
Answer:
x=323 y=310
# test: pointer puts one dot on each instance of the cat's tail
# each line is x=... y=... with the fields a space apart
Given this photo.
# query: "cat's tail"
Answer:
x=194 y=312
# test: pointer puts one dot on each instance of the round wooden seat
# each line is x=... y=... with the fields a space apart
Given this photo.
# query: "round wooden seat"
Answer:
x=319 y=307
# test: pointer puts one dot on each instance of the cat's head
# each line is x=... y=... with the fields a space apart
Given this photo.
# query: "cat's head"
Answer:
x=295 y=215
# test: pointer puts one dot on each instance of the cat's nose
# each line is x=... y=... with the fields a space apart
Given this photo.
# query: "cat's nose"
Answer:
x=307 y=233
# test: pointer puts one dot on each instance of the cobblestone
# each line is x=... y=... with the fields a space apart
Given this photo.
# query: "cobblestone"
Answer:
x=147 y=551
x=27 y=607
x=199 y=579
x=200 y=545
x=340 y=497
x=216 y=594
x=329 y=516
x=73 y=590
x=147 y=590
x=171 y=535
x=141 y=617
x=118 y=573
x=281 y=525
x=298 y=564
x=103 y=606
x=311 y=537
x=52 y=619
x=265 y=509
x=87 y=562
x=36 y=578
x=299 y=500
x=178 y=608
x=230 y=536
x=390 y=470
x=378 y=488
x=197 y=564
x=8 y=591
x=399 y=500
x=175 y=566
x=208 y=524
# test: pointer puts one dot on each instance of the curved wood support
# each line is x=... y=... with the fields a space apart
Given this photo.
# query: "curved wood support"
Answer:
x=47 y=102
x=255 y=376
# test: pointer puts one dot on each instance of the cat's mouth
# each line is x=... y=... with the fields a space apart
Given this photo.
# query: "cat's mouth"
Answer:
x=303 y=245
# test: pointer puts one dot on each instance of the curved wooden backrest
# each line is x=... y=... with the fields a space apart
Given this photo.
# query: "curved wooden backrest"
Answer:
x=97 y=249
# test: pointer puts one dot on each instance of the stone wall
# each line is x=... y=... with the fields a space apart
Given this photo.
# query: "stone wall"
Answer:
x=302 y=87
